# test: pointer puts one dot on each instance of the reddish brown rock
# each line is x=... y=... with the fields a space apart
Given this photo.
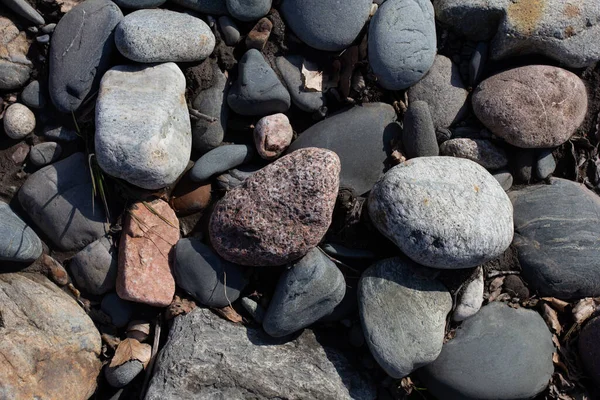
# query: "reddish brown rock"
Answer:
x=55 y=270
x=145 y=254
x=259 y=35
x=280 y=212
x=190 y=197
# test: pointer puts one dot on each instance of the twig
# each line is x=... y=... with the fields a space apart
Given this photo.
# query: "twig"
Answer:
x=198 y=115
x=157 y=329
x=494 y=274
x=153 y=211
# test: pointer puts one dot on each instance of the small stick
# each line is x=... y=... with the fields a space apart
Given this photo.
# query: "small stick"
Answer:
x=157 y=327
x=198 y=115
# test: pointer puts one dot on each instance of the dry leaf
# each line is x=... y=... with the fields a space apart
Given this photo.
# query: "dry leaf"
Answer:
x=584 y=310
x=496 y=287
x=66 y=5
x=407 y=385
x=551 y=318
x=179 y=306
x=130 y=349
x=110 y=340
x=557 y=304
x=312 y=77
x=229 y=314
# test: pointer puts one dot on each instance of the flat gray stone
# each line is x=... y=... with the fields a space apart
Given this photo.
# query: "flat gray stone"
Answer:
x=212 y=7
x=136 y=4
x=94 y=269
x=123 y=374
x=248 y=10
x=206 y=135
x=33 y=96
x=230 y=31
x=482 y=151
x=418 y=137
x=15 y=67
x=45 y=153
x=546 y=164
x=24 y=9
x=221 y=159
x=504 y=178
x=290 y=68
x=18 y=242
x=60 y=133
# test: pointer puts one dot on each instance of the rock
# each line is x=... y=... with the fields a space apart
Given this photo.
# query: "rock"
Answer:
x=18 y=242
x=323 y=24
x=588 y=349
x=257 y=90
x=290 y=68
x=477 y=63
x=19 y=121
x=23 y=8
x=504 y=178
x=418 y=136
x=75 y=71
x=272 y=136
x=58 y=198
x=55 y=271
x=443 y=89
x=310 y=289
x=206 y=135
x=254 y=309
x=150 y=232
x=208 y=279
x=94 y=268
x=60 y=133
x=337 y=250
x=535 y=106
x=523 y=164
x=32 y=96
x=482 y=151
x=483 y=17
x=230 y=31
x=280 y=212
x=20 y=154
x=443 y=212
x=123 y=374
x=556 y=231
x=15 y=67
x=136 y=4
x=479 y=363
x=545 y=165
x=259 y=35
x=143 y=130
x=150 y=36
x=514 y=286
x=226 y=356
x=120 y=311
x=248 y=10
x=219 y=160
x=43 y=39
x=49 y=28
x=189 y=198
x=45 y=153
x=471 y=297
x=402 y=42
x=235 y=177
x=212 y=7
x=403 y=314
x=45 y=334
x=361 y=138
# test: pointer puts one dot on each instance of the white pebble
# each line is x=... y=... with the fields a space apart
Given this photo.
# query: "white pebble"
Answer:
x=471 y=299
x=19 y=121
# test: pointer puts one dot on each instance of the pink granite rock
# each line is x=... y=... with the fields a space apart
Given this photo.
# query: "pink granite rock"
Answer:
x=273 y=135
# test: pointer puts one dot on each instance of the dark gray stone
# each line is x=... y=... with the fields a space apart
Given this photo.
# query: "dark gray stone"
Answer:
x=60 y=133
x=310 y=289
x=206 y=135
x=22 y=8
x=139 y=3
x=33 y=96
x=248 y=10
x=18 y=242
x=523 y=164
x=290 y=68
x=418 y=136
x=557 y=227
x=48 y=28
x=221 y=159
x=45 y=153
x=589 y=352
x=545 y=165
x=120 y=311
x=230 y=31
x=235 y=177
x=254 y=309
x=212 y=7
x=123 y=374
x=361 y=138
x=94 y=268
x=504 y=178
x=477 y=63
x=337 y=250
x=479 y=363
x=76 y=70
x=43 y=39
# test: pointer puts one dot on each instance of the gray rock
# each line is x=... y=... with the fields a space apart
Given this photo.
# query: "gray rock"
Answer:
x=120 y=311
x=221 y=159
x=150 y=36
x=58 y=198
x=18 y=121
x=123 y=374
x=588 y=349
x=290 y=68
x=471 y=298
x=479 y=363
x=75 y=71
x=15 y=67
x=212 y=7
x=443 y=212
x=235 y=177
x=361 y=138
x=478 y=63
x=25 y=10
x=418 y=136
x=504 y=178
x=556 y=234
x=207 y=357
x=60 y=133
x=18 y=242
x=143 y=130
x=43 y=39
x=33 y=96
x=94 y=268
x=230 y=31
x=483 y=17
x=443 y=89
x=206 y=135
x=482 y=151
x=546 y=164
x=248 y=10
x=337 y=250
x=310 y=289
x=325 y=25
x=403 y=314
x=257 y=90
x=136 y=4
x=402 y=42
x=49 y=28
x=254 y=309
x=523 y=164
x=45 y=153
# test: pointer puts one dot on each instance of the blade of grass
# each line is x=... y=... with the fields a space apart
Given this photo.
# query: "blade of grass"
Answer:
x=153 y=211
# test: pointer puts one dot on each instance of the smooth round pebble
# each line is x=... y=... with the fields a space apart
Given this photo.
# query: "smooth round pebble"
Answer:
x=545 y=165
x=272 y=136
x=32 y=96
x=219 y=160
x=482 y=151
x=230 y=31
x=419 y=137
x=471 y=297
x=45 y=153
x=121 y=375
x=120 y=311
x=19 y=121
x=504 y=178
x=248 y=10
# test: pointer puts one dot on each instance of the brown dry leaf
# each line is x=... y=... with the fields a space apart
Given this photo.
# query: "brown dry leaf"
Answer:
x=110 y=340
x=584 y=310
x=551 y=318
x=66 y=5
x=496 y=287
x=557 y=304
x=179 y=306
x=229 y=314
x=130 y=349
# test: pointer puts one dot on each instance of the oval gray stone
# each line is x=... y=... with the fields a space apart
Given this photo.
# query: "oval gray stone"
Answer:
x=18 y=242
x=212 y=7
x=33 y=96
x=221 y=159
x=94 y=269
x=230 y=31
x=206 y=135
x=418 y=137
x=121 y=375
x=25 y=10
x=248 y=10
x=139 y=3
x=45 y=153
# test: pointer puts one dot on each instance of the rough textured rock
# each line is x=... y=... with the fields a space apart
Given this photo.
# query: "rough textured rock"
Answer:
x=18 y=242
x=45 y=153
x=482 y=151
x=471 y=297
x=272 y=135
x=219 y=160
x=280 y=212
x=212 y=7
x=49 y=345
x=290 y=68
x=535 y=106
x=23 y=8
x=209 y=358
x=259 y=35
x=403 y=314
x=15 y=67
x=18 y=121
x=206 y=135
x=588 y=349
x=443 y=212
x=143 y=130
x=418 y=136
x=94 y=268
x=248 y=10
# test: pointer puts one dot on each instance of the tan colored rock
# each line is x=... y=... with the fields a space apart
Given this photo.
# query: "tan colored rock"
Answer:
x=15 y=67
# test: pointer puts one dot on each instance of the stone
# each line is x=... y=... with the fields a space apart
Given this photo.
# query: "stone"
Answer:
x=43 y=39
x=254 y=309
x=75 y=71
x=588 y=349
x=272 y=135
x=230 y=31
x=483 y=17
x=482 y=151
x=309 y=290
x=323 y=24
x=443 y=89
x=137 y=4
x=19 y=121
x=150 y=232
x=471 y=297
x=60 y=133
x=143 y=129
x=402 y=42
x=514 y=286
x=188 y=197
x=58 y=198
x=207 y=134
x=443 y=212
x=48 y=28
x=15 y=67
x=212 y=7
x=523 y=164
x=280 y=212
x=360 y=137
x=213 y=282
x=94 y=269
x=248 y=10
x=33 y=96
x=536 y=106
x=45 y=333
x=418 y=136
x=25 y=10
x=18 y=242
x=123 y=374
x=20 y=154
x=219 y=160
x=45 y=153
x=257 y=90
x=258 y=37
x=556 y=237
x=504 y=178
x=479 y=363
x=55 y=271
x=290 y=68
x=478 y=63
x=207 y=357
x=403 y=315
x=235 y=177
x=120 y=311
x=546 y=164
x=151 y=36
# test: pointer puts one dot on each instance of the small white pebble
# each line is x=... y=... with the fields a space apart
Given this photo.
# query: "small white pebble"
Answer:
x=19 y=121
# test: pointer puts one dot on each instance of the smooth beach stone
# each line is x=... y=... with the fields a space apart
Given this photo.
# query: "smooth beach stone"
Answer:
x=325 y=24
x=206 y=135
x=219 y=160
x=248 y=10
x=589 y=353
x=290 y=68
x=235 y=177
x=143 y=129
x=482 y=151
x=75 y=71
x=25 y=10
x=419 y=136
x=18 y=242
x=45 y=153
x=504 y=178
x=94 y=269
x=403 y=314
x=15 y=67
x=443 y=212
x=123 y=374
x=211 y=7
x=471 y=297
x=150 y=36
x=60 y=133
x=120 y=311
x=545 y=165
x=139 y=3
x=33 y=96
x=536 y=106
x=19 y=121
x=272 y=135
x=402 y=42
x=230 y=31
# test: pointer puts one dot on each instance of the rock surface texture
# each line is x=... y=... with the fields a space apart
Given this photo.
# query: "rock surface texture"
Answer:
x=15 y=67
